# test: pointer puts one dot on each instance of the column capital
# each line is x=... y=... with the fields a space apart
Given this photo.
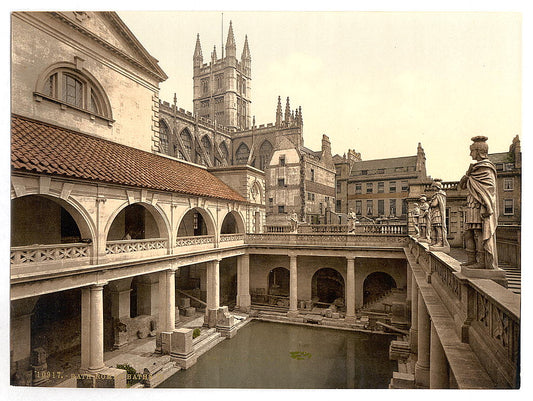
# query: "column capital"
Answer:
x=292 y=254
x=98 y=286
x=351 y=257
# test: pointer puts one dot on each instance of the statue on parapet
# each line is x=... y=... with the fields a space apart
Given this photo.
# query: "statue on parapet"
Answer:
x=481 y=209
x=293 y=219
x=424 y=220
x=437 y=208
x=416 y=217
x=352 y=219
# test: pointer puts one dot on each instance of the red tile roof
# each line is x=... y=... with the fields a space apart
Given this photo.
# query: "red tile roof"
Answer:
x=43 y=148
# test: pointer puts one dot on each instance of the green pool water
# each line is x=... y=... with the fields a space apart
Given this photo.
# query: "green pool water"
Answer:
x=284 y=356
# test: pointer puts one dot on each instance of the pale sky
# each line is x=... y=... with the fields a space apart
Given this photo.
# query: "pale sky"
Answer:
x=378 y=82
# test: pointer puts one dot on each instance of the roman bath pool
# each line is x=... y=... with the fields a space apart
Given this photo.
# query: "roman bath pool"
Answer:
x=275 y=355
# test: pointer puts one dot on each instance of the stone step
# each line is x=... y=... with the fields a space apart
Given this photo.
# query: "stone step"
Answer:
x=208 y=343
x=166 y=371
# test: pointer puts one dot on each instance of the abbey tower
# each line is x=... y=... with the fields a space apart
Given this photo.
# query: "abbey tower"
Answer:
x=222 y=88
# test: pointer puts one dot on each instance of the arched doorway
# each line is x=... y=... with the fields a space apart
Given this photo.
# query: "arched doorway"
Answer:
x=376 y=285
x=327 y=286
x=279 y=282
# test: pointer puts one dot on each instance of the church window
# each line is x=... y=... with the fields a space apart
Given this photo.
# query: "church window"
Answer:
x=205 y=85
x=206 y=143
x=186 y=139
x=265 y=152
x=224 y=150
x=164 y=137
x=242 y=154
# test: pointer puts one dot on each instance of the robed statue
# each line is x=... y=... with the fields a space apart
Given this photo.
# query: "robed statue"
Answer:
x=437 y=207
x=482 y=208
x=424 y=219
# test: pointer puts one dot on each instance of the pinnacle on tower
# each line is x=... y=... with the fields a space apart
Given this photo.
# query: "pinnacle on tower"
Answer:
x=198 y=58
x=214 y=54
x=231 y=47
x=301 y=120
x=287 y=111
x=278 y=113
x=245 y=56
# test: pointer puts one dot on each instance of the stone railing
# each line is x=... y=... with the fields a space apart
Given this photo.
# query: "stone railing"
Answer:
x=231 y=237
x=446 y=186
x=325 y=239
x=486 y=315
x=276 y=229
x=322 y=228
x=127 y=246
x=195 y=240
x=49 y=253
x=380 y=229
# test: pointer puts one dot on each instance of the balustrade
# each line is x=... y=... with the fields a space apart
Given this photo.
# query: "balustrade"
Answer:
x=48 y=253
x=195 y=240
x=231 y=237
x=127 y=246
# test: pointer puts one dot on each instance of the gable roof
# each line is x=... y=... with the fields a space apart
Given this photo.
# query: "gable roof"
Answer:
x=116 y=37
x=43 y=148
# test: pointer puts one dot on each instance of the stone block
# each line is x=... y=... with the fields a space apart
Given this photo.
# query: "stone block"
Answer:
x=165 y=339
x=225 y=322
x=210 y=318
x=184 y=303
x=111 y=378
x=181 y=341
x=336 y=315
x=189 y=311
x=402 y=381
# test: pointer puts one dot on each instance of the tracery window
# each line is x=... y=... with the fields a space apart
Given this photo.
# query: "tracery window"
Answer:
x=242 y=154
x=186 y=139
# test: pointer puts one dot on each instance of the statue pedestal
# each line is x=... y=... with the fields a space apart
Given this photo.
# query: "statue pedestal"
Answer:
x=496 y=275
x=445 y=249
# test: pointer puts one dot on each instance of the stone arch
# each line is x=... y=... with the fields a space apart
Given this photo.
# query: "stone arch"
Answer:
x=185 y=227
x=76 y=211
x=232 y=223
x=265 y=153
x=279 y=282
x=328 y=286
x=242 y=154
x=377 y=284
x=257 y=192
x=159 y=218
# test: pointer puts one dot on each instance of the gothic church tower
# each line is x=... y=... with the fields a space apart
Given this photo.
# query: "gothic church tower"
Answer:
x=222 y=88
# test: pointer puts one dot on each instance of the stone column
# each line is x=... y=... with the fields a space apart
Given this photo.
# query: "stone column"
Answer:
x=213 y=293
x=85 y=328
x=243 y=283
x=293 y=306
x=96 y=338
x=424 y=332
x=167 y=300
x=213 y=284
x=438 y=371
x=350 y=289
x=413 y=331
x=408 y=299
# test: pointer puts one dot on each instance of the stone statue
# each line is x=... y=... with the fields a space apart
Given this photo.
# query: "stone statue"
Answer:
x=416 y=216
x=482 y=208
x=352 y=219
x=424 y=220
x=439 y=231
x=294 y=222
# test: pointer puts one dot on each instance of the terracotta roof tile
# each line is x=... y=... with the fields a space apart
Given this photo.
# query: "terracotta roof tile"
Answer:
x=44 y=148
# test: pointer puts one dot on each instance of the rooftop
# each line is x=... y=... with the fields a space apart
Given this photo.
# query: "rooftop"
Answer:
x=47 y=149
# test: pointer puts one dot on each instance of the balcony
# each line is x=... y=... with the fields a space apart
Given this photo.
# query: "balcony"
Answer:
x=136 y=249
